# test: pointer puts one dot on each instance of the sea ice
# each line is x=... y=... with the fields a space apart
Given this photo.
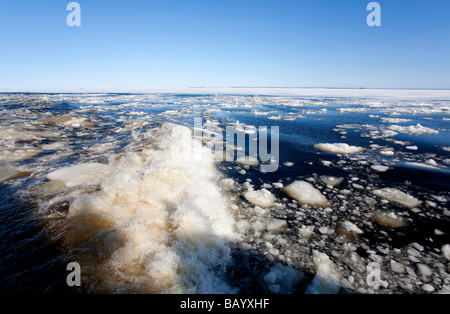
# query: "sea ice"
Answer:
x=262 y=198
x=380 y=168
x=413 y=129
x=306 y=231
x=283 y=279
x=276 y=225
x=339 y=148
x=398 y=197
x=8 y=174
x=18 y=154
x=348 y=229
x=80 y=174
x=327 y=279
x=304 y=193
x=248 y=160
x=390 y=219
x=333 y=181
x=52 y=146
x=74 y=122
x=446 y=251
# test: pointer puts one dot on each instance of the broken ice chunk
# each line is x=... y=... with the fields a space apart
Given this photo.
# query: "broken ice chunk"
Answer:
x=333 y=181
x=348 y=229
x=8 y=174
x=304 y=193
x=380 y=168
x=262 y=198
x=327 y=279
x=80 y=174
x=398 y=197
x=276 y=225
x=339 y=148
x=390 y=219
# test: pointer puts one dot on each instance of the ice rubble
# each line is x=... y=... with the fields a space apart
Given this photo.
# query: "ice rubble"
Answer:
x=262 y=224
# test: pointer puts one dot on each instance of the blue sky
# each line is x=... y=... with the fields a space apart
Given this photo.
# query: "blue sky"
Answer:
x=221 y=43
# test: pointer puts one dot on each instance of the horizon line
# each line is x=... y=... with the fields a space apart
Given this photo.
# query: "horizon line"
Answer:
x=82 y=90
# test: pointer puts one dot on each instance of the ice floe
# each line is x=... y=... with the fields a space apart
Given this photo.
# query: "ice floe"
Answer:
x=76 y=175
x=398 y=197
x=413 y=129
x=262 y=198
x=304 y=193
x=390 y=219
x=327 y=279
x=339 y=148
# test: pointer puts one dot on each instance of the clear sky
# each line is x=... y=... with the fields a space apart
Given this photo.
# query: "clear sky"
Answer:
x=222 y=43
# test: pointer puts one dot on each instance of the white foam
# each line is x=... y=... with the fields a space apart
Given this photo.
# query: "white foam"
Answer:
x=159 y=219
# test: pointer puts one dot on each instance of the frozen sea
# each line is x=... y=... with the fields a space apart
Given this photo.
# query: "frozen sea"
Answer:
x=356 y=199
